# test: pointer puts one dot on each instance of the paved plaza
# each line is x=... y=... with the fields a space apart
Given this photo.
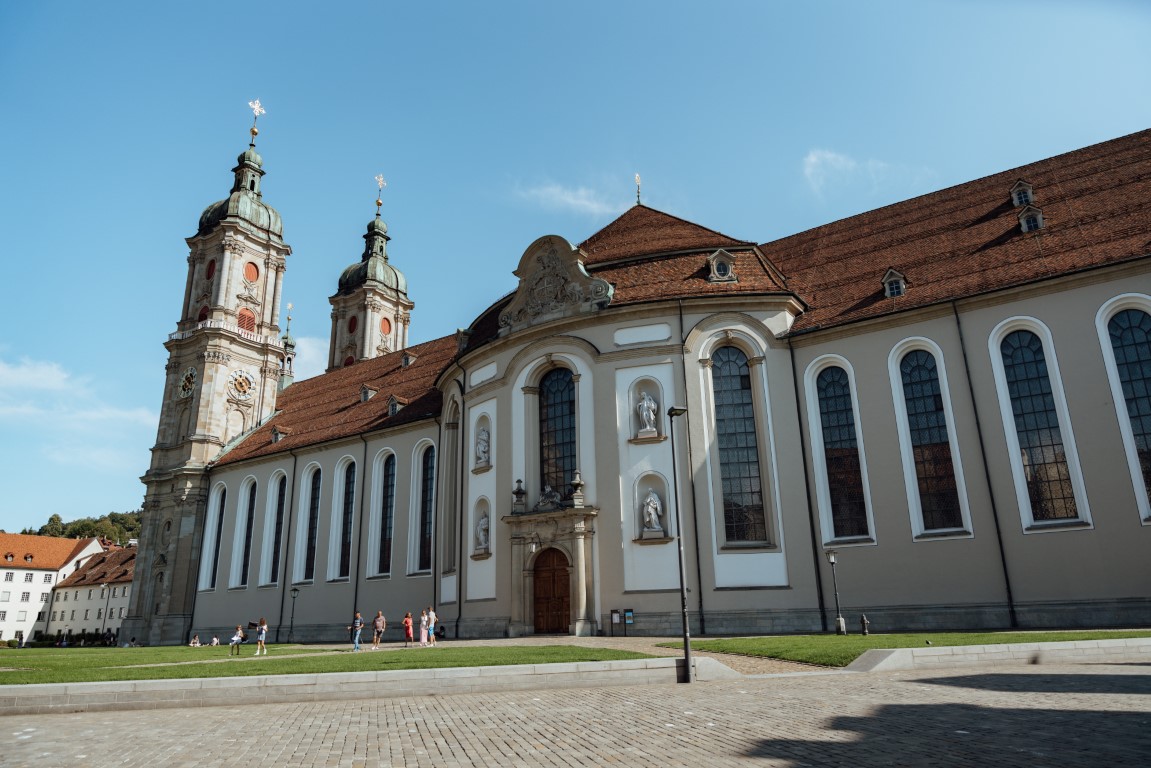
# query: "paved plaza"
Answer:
x=1074 y=715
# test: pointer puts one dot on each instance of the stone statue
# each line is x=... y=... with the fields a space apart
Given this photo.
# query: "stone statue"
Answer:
x=482 y=532
x=652 y=512
x=646 y=409
x=483 y=447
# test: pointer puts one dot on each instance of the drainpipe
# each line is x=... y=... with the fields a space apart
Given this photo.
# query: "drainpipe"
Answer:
x=691 y=476
x=986 y=472
x=462 y=473
x=355 y=575
x=284 y=585
x=815 y=558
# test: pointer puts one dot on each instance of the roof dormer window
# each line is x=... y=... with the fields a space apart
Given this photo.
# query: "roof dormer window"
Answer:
x=722 y=265
x=393 y=406
x=894 y=284
x=1030 y=219
x=366 y=393
x=1022 y=194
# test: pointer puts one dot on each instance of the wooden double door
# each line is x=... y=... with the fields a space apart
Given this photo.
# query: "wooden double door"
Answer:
x=552 y=589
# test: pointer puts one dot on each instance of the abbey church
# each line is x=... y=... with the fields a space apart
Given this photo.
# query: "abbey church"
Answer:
x=949 y=398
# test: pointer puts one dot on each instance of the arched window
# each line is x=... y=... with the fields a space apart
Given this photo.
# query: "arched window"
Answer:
x=1130 y=332
x=557 y=431
x=930 y=444
x=246 y=319
x=203 y=314
x=313 y=526
x=735 y=428
x=221 y=499
x=346 y=518
x=1045 y=468
x=848 y=504
x=249 y=518
x=387 y=515
x=281 y=498
x=427 y=507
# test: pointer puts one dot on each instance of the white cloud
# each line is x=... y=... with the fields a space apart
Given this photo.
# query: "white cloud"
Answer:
x=578 y=199
x=828 y=171
x=311 y=357
x=822 y=165
x=37 y=375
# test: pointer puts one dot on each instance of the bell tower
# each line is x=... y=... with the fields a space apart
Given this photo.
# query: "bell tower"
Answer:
x=225 y=362
x=370 y=310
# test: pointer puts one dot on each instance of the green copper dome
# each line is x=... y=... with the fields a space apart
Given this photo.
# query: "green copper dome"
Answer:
x=244 y=204
x=373 y=267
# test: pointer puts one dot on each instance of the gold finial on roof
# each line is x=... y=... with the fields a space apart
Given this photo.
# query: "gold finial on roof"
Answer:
x=379 y=195
x=257 y=110
x=637 y=189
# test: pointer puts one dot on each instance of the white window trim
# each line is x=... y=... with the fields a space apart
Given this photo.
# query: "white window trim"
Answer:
x=1102 y=318
x=268 y=539
x=300 y=550
x=1023 y=501
x=236 y=568
x=211 y=524
x=375 y=523
x=336 y=519
x=415 y=498
x=819 y=456
x=907 y=452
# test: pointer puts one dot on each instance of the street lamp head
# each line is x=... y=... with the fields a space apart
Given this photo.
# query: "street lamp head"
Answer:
x=675 y=410
x=295 y=592
x=831 y=556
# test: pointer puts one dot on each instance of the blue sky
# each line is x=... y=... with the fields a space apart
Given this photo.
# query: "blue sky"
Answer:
x=494 y=124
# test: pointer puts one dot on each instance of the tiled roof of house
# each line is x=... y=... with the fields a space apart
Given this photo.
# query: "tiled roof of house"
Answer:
x=643 y=231
x=116 y=566
x=966 y=240
x=330 y=407
x=45 y=553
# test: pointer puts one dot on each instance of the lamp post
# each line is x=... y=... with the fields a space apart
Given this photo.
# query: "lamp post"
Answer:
x=840 y=626
x=671 y=414
x=292 y=625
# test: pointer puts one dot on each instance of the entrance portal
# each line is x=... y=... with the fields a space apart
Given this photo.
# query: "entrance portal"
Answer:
x=552 y=582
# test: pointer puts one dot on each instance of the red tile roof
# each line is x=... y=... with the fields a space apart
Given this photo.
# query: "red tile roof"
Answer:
x=49 y=553
x=115 y=566
x=643 y=231
x=966 y=240
x=329 y=407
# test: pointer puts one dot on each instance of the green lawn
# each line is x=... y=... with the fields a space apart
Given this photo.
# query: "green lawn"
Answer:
x=839 y=651
x=69 y=665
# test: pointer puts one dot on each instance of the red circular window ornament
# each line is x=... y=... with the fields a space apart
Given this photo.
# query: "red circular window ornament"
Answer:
x=353 y=324
x=251 y=272
x=203 y=314
x=211 y=271
x=247 y=320
x=349 y=360
x=385 y=326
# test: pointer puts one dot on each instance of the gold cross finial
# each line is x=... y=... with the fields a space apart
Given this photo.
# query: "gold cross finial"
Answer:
x=257 y=110
x=379 y=195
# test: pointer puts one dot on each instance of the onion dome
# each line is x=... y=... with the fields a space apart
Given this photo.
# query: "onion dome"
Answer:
x=245 y=202
x=373 y=267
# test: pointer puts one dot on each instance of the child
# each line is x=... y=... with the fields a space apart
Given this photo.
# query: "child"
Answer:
x=237 y=638
x=261 y=636
x=423 y=629
x=407 y=628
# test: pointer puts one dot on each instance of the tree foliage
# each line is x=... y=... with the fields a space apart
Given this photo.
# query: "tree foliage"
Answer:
x=115 y=526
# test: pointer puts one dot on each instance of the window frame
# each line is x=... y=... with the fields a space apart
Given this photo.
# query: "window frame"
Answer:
x=213 y=532
x=342 y=520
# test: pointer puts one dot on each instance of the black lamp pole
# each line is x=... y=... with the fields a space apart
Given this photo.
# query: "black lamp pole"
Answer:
x=671 y=414
x=292 y=625
x=840 y=626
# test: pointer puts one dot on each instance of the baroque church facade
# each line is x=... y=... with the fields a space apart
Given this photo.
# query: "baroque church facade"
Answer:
x=952 y=394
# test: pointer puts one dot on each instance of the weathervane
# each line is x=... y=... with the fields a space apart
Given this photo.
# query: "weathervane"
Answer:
x=288 y=327
x=637 y=189
x=379 y=195
x=257 y=110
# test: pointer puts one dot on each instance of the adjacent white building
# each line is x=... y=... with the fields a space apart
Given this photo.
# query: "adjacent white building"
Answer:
x=31 y=567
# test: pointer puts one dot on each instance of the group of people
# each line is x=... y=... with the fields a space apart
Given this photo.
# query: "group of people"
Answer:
x=197 y=644
x=429 y=627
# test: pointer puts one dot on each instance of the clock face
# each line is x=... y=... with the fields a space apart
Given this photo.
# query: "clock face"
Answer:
x=243 y=384
x=188 y=382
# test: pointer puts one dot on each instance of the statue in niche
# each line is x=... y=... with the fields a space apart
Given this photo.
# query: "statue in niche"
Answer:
x=483 y=447
x=482 y=532
x=652 y=512
x=646 y=408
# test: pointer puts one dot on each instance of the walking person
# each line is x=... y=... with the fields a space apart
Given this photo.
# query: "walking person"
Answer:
x=433 y=619
x=379 y=624
x=234 y=646
x=356 y=628
x=423 y=629
x=261 y=636
x=407 y=622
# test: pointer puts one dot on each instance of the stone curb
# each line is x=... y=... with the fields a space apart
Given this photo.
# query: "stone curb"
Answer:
x=1120 y=650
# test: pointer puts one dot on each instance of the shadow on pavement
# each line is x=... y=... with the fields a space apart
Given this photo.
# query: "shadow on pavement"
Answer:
x=1008 y=682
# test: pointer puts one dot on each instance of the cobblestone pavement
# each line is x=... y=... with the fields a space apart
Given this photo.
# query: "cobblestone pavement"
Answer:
x=1072 y=716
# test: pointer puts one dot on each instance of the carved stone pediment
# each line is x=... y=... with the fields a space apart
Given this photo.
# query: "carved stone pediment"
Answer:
x=553 y=284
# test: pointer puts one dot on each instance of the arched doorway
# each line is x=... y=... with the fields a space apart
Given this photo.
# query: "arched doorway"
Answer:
x=552 y=587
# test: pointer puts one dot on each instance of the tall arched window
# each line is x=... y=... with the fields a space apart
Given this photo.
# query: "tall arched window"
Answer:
x=841 y=454
x=427 y=507
x=387 y=515
x=222 y=499
x=557 y=431
x=930 y=444
x=346 y=518
x=249 y=519
x=281 y=498
x=1046 y=473
x=313 y=526
x=743 y=517
x=1130 y=332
